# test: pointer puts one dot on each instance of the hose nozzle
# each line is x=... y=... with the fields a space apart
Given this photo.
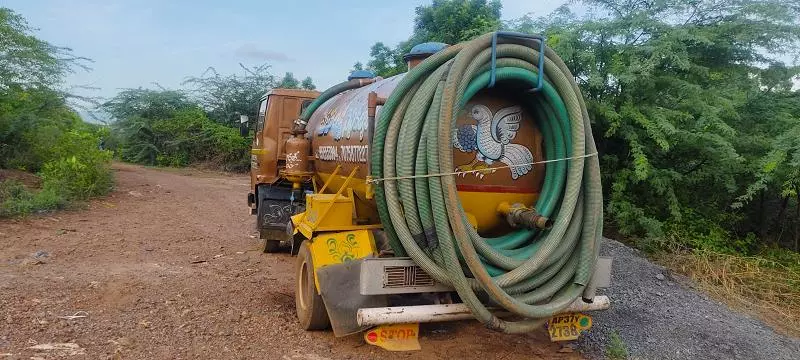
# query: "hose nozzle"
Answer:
x=519 y=215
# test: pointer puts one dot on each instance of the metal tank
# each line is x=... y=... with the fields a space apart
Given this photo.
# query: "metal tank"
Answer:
x=339 y=134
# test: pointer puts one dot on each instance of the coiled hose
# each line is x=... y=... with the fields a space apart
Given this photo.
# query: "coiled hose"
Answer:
x=530 y=273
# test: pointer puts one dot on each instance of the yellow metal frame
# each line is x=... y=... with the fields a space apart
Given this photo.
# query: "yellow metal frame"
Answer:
x=339 y=247
x=315 y=220
x=328 y=225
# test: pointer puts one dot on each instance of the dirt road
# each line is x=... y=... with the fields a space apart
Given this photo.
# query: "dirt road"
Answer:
x=167 y=268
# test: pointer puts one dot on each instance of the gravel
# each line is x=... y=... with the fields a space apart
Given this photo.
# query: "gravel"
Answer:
x=658 y=317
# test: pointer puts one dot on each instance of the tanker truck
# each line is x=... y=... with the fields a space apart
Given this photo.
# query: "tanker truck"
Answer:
x=466 y=188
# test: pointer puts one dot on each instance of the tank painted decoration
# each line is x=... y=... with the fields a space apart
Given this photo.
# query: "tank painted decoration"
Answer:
x=346 y=116
x=490 y=140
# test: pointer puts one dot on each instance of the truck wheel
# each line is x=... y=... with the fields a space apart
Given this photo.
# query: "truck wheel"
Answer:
x=270 y=244
x=308 y=303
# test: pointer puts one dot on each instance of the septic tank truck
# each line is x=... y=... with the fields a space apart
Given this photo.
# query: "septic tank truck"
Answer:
x=465 y=188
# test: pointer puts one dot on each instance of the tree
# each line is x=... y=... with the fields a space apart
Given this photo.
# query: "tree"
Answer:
x=687 y=110
x=357 y=66
x=447 y=21
x=454 y=21
x=167 y=128
x=308 y=84
x=386 y=61
x=148 y=104
x=28 y=61
x=39 y=132
x=225 y=97
x=289 y=82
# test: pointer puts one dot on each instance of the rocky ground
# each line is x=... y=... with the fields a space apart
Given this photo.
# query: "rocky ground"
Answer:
x=167 y=267
x=658 y=315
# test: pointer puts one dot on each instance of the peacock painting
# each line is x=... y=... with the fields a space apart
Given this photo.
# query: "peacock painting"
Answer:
x=490 y=140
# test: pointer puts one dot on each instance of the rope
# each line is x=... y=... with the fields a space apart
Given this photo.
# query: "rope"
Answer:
x=407 y=177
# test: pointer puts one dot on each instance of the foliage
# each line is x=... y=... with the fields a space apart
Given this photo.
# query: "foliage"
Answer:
x=29 y=62
x=39 y=132
x=766 y=284
x=226 y=97
x=156 y=134
x=82 y=170
x=16 y=200
x=690 y=104
x=447 y=21
x=147 y=103
x=453 y=21
x=308 y=84
x=289 y=82
x=616 y=348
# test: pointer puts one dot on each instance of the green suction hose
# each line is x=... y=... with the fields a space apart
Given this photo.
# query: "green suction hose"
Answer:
x=533 y=274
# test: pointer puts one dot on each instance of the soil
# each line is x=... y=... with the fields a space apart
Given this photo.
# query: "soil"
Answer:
x=27 y=179
x=169 y=267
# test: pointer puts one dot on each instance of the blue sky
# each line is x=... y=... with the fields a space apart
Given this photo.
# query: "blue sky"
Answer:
x=140 y=42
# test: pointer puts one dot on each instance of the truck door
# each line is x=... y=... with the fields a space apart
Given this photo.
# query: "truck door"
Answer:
x=258 y=151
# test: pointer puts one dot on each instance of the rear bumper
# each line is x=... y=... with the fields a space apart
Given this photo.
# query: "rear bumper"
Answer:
x=450 y=312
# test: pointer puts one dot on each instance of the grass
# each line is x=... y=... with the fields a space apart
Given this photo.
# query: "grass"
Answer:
x=616 y=348
x=17 y=200
x=768 y=288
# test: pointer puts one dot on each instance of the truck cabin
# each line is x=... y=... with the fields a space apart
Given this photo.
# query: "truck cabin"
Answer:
x=278 y=110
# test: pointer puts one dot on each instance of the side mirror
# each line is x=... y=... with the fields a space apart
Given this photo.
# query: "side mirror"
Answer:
x=244 y=128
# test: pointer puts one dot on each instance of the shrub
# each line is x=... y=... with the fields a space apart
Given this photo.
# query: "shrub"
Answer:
x=181 y=138
x=15 y=199
x=81 y=169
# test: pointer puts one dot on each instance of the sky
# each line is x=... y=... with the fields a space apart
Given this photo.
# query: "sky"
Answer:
x=138 y=43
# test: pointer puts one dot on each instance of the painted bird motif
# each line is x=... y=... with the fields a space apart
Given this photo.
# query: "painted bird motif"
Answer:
x=490 y=139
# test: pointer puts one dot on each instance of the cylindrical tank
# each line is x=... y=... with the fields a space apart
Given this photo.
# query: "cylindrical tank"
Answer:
x=493 y=132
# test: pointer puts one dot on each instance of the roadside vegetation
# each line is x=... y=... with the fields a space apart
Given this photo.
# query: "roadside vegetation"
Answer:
x=198 y=125
x=616 y=348
x=39 y=132
x=697 y=119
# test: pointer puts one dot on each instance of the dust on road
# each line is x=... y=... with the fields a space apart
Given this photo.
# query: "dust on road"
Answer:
x=167 y=267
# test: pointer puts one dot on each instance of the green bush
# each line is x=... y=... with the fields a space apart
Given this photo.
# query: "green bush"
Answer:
x=39 y=131
x=16 y=200
x=179 y=138
x=616 y=348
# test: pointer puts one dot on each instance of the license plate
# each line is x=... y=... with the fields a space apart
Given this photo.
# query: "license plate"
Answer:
x=395 y=337
x=565 y=327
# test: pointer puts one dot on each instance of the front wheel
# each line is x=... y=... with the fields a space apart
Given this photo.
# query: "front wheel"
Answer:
x=308 y=303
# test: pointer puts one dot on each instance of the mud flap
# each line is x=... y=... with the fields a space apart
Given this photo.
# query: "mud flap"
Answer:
x=339 y=287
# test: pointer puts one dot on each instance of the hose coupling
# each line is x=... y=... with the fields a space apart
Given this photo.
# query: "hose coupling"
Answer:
x=299 y=126
x=519 y=215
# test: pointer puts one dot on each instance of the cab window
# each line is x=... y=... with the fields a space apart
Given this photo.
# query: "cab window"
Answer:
x=304 y=105
x=262 y=112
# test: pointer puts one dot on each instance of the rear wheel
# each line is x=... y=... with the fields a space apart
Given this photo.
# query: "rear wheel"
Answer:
x=308 y=303
x=271 y=245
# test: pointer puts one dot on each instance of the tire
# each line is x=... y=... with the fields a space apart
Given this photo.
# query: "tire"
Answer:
x=308 y=303
x=271 y=245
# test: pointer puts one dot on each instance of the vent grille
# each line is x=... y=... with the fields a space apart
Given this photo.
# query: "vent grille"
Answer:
x=405 y=276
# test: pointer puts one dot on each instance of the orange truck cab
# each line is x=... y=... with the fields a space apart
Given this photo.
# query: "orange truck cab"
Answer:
x=269 y=198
